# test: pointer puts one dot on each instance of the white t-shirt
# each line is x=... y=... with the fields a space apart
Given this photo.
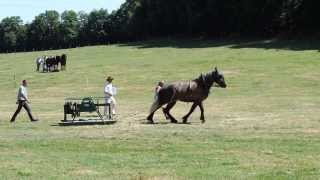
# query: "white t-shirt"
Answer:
x=40 y=60
x=108 y=89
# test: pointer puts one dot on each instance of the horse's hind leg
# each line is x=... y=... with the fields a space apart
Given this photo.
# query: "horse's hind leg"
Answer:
x=167 y=111
x=150 y=117
x=185 y=118
x=202 y=114
x=154 y=107
x=165 y=114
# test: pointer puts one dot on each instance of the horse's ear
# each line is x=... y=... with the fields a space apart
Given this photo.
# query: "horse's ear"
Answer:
x=215 y=71
x=202 y=77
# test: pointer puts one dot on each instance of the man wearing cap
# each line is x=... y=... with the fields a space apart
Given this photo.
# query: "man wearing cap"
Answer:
x=109 y=95
x=23 y=101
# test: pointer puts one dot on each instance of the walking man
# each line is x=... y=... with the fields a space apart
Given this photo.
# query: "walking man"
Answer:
x=23 y=101
x=109 y=93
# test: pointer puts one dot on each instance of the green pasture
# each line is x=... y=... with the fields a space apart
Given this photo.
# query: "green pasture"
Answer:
x=265 y=125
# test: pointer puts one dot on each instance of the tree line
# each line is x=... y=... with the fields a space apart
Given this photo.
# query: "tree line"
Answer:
x=144 y=19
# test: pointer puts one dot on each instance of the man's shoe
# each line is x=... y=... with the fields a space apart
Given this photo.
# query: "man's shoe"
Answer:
x=34 y=120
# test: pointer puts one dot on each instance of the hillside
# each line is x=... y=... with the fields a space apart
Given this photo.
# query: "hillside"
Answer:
x=264 y=125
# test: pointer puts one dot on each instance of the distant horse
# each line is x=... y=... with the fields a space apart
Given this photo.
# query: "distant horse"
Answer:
x=58 y=61
x=194 y=91
x=55 y=63
x=63 y=62
x=48 y=63
x=52 y=64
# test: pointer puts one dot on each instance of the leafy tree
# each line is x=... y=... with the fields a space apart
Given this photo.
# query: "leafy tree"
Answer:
x=11 y=33
x=142 y=19
x=69 y=28
x=44 y=30
x=83 y=28
x=97 y=20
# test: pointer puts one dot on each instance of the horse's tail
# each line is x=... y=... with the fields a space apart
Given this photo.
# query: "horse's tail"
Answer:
x=155 y=105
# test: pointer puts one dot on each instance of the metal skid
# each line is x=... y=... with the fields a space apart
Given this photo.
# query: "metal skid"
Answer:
x=77 y=106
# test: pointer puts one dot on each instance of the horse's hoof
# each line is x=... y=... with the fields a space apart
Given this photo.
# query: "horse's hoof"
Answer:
x=165 y=114
x=150 y=122
x=203 y=121
x=174 y=121
x=149 y=118
x=184 y=120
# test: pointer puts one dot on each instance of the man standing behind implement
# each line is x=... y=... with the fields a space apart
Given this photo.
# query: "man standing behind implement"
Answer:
x=23 y=101
x=109 y=95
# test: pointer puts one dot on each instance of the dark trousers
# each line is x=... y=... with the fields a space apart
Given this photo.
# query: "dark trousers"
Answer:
x=26 y=106
x=38 y=66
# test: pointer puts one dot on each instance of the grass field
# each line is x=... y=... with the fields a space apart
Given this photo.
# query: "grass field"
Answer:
x=265 y=125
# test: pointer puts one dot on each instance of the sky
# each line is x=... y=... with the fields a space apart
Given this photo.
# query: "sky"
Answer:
x=28 y=9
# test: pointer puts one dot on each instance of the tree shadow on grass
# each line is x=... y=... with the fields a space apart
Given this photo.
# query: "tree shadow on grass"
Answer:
x=179 y=43
x=294 y=45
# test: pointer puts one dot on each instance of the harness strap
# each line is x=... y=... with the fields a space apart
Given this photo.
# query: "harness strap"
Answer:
x=189 y=86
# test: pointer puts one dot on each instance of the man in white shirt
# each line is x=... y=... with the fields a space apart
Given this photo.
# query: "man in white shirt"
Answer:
x=109 y=93
x=39 y=61
x=23 y=101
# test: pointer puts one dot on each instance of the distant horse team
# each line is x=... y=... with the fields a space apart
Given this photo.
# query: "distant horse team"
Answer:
x=51 y=63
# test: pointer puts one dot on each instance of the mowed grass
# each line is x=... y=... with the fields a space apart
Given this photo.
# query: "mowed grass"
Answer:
x=265 y=125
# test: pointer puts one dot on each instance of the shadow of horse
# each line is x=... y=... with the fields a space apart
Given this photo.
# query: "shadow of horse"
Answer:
x=166 y=123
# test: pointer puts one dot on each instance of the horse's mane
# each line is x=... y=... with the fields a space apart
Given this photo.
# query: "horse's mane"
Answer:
x=205 y=80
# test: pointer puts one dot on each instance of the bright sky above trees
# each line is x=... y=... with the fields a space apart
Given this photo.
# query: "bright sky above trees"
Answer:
x=28 y=9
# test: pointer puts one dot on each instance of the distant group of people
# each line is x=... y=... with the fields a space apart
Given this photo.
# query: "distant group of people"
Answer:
x=51 y=63
x=109 y=93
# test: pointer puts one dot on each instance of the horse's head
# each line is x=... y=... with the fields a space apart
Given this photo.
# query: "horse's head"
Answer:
x=218 y=78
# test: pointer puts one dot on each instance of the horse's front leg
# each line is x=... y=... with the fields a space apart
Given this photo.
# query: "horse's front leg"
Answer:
x=165 y=114
x=202 y=113
x=185 y=118
x=154 y=107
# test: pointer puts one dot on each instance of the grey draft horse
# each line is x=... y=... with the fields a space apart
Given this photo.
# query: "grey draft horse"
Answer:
x=194 y=91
